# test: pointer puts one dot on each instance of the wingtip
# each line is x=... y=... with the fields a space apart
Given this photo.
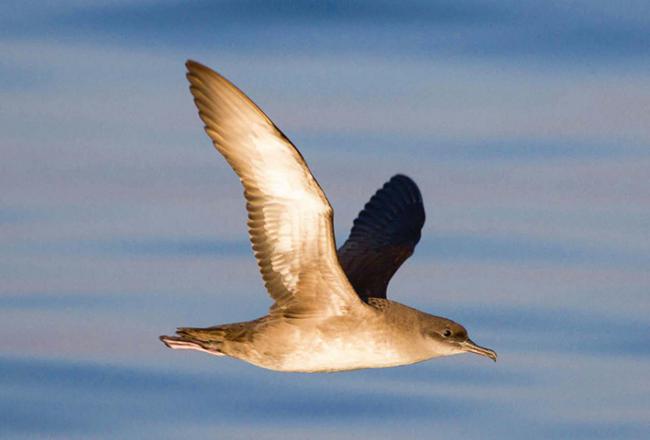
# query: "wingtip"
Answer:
x=197 y=73
x=190 y=64
x=194 y=68
x=403 y=177
x=406 y=183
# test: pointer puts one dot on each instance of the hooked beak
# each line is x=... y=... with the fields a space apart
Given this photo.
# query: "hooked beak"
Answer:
x=471 y=347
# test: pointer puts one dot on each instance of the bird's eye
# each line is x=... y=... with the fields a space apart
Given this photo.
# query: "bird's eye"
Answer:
x=446 y=333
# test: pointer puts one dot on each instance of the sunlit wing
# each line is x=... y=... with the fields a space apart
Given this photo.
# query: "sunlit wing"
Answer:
x=383 y=236
x=289 y=217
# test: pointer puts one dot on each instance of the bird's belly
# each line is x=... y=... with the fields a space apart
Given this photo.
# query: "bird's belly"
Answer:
x=334 y=360
x=326 y=355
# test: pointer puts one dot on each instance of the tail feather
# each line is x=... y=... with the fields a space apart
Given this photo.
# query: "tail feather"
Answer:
x=208 y=340
x=209 y=334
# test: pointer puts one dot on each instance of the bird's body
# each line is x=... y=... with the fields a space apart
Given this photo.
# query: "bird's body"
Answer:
x=383 y=333
x=330 y=311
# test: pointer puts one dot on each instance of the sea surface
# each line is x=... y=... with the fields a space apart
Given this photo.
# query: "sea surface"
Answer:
x=526 y=126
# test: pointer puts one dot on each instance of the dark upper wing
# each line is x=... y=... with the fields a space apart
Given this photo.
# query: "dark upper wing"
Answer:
x=383 y=236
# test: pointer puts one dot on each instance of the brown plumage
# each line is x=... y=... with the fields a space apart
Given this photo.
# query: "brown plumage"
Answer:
x=329 y=311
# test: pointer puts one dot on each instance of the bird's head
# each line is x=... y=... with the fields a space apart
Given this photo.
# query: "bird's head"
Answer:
x=451 y=338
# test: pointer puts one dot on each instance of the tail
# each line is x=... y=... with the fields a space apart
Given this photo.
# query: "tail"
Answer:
x=209 y=340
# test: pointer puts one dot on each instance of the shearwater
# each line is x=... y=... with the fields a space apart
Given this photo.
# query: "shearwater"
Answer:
x=330 y=311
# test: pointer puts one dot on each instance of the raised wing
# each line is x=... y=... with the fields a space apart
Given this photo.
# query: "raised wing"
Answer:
x=383 y=236
x=289 y=217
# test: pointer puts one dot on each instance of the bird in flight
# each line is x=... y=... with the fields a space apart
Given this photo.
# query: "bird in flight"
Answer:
x=330 y=311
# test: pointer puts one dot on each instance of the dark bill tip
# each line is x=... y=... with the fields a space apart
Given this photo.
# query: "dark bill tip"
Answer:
x=470 y=347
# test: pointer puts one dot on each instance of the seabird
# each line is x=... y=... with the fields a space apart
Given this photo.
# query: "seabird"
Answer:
x=330 y=311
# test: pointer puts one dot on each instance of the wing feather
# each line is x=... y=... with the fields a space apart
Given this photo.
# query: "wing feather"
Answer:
x=383 y=236
x=289 y=218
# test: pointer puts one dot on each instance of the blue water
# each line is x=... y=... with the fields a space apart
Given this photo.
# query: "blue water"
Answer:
x=525 y=126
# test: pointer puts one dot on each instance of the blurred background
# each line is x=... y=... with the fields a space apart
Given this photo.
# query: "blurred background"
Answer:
x=526 y=125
